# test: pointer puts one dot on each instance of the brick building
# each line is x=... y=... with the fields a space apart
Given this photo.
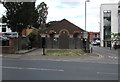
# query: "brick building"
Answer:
x=94 y=36
x=63 y=35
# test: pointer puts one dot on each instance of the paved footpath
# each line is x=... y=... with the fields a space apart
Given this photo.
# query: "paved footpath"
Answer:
x=37 y=55
x=106 y=52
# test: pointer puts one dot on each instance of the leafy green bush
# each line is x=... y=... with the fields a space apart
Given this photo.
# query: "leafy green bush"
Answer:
x=32 y=37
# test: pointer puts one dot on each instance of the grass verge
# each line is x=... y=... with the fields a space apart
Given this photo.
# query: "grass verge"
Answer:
x=65 y=53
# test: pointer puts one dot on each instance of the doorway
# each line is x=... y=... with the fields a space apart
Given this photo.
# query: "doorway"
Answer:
x=64 y=40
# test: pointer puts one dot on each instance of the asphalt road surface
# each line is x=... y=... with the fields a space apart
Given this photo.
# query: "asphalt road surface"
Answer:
x=106 y=52
x=57 y=70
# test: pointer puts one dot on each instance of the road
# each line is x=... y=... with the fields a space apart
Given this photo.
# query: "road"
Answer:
x=102 y=64
x=106 y=52
x=57 y=70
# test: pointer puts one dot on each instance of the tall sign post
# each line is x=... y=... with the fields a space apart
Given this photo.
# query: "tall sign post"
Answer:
x=85 y=40
x=43 y=44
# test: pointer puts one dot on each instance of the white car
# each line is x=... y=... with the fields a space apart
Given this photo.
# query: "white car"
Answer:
x=98 y=41
x=94 y=43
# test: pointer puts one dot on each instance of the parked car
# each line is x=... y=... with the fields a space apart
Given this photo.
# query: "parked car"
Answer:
x=116 y=47
x=98 y=42
x=95 y=43
x=3 y=38
x=10 y=35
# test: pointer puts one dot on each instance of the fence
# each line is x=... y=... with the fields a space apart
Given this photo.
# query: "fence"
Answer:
x=54 y=43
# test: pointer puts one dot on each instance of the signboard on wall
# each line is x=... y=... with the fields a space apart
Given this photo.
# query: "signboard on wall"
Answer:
x=85 y=35
x=43 y=35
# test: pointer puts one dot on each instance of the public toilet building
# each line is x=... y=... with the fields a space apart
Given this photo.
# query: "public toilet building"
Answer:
x=63 y=35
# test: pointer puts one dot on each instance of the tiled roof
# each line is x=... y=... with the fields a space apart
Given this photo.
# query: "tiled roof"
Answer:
x=64 y=24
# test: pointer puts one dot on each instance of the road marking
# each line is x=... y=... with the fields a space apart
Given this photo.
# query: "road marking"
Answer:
x=112 y=57
x=115 y=57
x=109 y=56
x=107 y=73
x=37 y=69
x=101 y=56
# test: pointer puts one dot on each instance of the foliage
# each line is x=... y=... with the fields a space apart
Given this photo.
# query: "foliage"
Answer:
x=51 y=23
x=115 y=37
x=20 y=15
x=43 y=12
x=42 y=29
x=32 y=37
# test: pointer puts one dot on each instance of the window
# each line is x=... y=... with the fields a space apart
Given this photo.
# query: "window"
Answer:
x=107 y=18
x=3 y=29
x=3 y=26
x=107 y=23
x=107 y=13
x=96 y=35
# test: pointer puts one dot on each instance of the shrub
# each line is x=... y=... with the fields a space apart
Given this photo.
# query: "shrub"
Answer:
x=32 y=37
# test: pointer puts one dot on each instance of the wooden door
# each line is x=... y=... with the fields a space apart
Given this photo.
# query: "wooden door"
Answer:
x=64 y=40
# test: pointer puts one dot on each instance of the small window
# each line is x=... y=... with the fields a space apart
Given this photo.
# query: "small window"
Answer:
x=96 y=35
x=4 y=26
x=3 y=29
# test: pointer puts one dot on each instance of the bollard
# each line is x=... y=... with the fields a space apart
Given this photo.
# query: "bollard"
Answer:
x=91 y=50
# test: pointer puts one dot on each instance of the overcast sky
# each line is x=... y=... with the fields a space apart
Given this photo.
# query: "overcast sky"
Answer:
x=74 y=11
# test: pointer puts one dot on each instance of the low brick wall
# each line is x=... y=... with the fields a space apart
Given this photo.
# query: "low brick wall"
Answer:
x=4 y=49
x=10 y=49
x=7 y=50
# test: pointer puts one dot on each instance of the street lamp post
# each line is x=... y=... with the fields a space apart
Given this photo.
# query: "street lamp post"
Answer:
x=85 y=33
x=86 y=11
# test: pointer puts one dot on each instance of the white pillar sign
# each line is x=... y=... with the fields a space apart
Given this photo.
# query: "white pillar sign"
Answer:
x=85 y=35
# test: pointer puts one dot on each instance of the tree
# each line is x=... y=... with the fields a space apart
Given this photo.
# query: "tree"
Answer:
x=20 y=15
x=115 y=37
x=51 y=23
x=32 y=37
x=43 y=12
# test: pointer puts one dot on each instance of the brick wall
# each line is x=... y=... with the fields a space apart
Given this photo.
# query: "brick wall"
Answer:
x=12 y=48
x=92 y=35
